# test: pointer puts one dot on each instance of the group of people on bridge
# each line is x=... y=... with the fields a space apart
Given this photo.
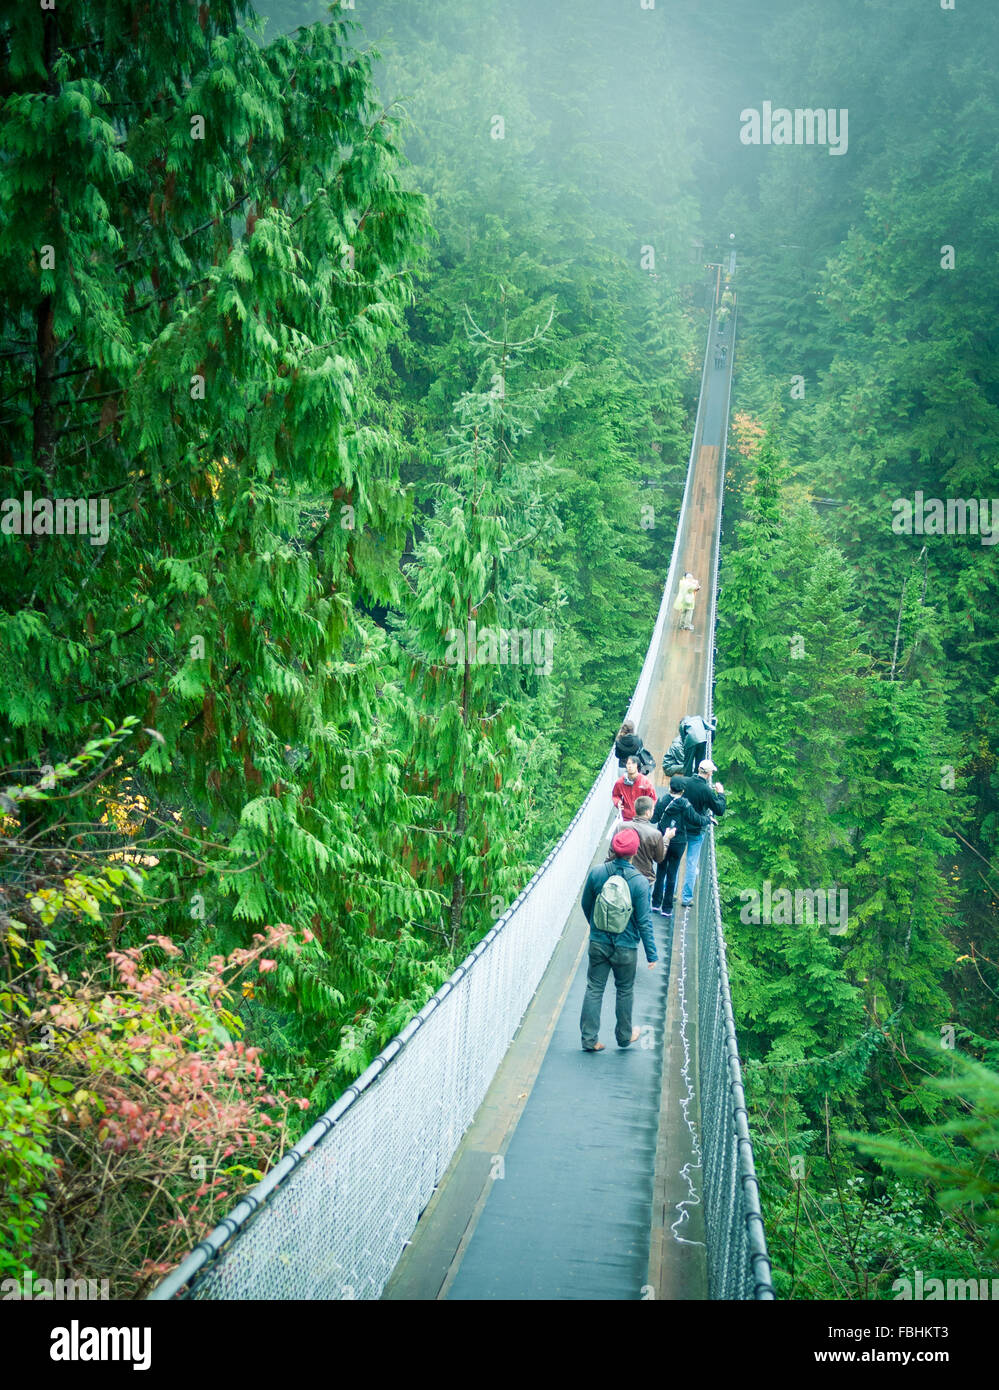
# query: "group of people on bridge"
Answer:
x=651 y=836
x=721 y=319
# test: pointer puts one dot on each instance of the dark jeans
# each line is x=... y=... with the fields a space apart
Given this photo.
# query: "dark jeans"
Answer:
x=603 y=959
x=666 y=874
x=692 y=757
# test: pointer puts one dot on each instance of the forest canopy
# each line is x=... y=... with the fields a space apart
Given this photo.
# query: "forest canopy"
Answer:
x=343 y=332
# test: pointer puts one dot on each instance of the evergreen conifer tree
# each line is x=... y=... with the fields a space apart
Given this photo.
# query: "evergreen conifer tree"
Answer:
x=479 y=635
x=902 y=809
x=203 y=243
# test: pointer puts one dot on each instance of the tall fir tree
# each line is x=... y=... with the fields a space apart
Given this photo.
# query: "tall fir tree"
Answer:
x=903 y=809
x=204 y=242
x=479 y=634
x=780 y=703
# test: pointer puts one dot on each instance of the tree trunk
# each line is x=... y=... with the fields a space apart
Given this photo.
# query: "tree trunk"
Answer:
x=43 y=430
x=43 y=442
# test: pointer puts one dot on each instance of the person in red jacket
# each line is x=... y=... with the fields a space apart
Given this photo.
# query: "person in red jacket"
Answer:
x=629 y=788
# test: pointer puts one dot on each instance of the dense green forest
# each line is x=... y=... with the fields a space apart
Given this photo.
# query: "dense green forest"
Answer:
x=859 y=663
x=364 y=325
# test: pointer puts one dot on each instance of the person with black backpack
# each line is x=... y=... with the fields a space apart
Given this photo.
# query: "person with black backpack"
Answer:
x=616 y=905
x=646 y=762
x=628 y=744
x=677 y=819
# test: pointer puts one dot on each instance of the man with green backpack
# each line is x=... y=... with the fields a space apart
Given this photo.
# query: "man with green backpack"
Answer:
x=616 y=905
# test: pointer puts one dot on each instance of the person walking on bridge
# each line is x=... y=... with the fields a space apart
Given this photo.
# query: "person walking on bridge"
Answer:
x=616 y=905
x=652 y=845
x=629 y=788
x=694 y=737
x=628 y=744
x=704 y=798
x=677 y=820
x=684 y=604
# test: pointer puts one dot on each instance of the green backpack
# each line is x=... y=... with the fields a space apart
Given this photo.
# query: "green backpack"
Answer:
x=613 y=908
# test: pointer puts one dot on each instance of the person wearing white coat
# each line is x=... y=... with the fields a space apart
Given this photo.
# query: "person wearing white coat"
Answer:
x=684 y=604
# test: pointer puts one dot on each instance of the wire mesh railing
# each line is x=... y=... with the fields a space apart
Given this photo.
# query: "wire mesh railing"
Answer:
x=330 y=1220
x=737 y=1258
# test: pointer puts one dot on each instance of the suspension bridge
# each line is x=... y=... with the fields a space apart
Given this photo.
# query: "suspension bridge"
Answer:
x=483 y=1155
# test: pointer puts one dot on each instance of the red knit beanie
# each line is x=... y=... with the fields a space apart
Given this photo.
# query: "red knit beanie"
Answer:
x=625 y=843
